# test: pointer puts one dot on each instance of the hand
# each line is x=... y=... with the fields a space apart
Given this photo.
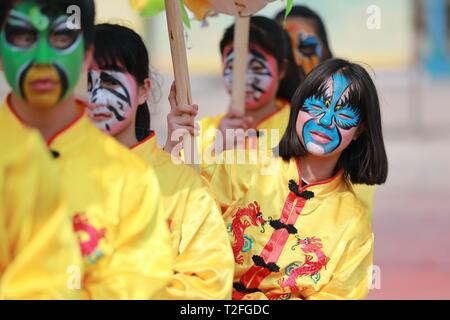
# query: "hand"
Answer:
x=181 y=118
x=234 y=120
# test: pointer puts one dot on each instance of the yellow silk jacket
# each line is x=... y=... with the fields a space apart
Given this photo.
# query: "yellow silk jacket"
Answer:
x=113 y=199
x=278 y=120
x=203 y=260
x=289 y=241
x=266 y=129
x=37 y=245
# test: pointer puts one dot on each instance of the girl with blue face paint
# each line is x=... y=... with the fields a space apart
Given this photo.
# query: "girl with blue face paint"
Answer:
x=328 y=122
x=335 y=124
x=308 y=235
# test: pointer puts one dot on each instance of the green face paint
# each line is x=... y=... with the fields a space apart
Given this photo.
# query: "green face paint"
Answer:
x=42 y=57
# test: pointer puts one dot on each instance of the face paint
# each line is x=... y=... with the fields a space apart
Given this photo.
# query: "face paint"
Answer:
x=42 y=58
x=307 y=47
x=261 y=76
x=113 y=98
x=327 y=122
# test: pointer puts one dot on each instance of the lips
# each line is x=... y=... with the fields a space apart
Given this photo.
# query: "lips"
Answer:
x=43 y=85
x=101 y=116
x=320 y=137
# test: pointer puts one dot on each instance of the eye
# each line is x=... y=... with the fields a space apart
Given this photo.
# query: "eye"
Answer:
x=344 y=116
x=89 y=84
x=110 y=84
x=19 y=36
x=258 y=67
x=63 y=39
x=308 y=50
x=316 y=107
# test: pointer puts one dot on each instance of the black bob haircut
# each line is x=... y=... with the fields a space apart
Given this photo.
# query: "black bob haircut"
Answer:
x=87 y=10
x=270 y=36
x=118 y=48
x=364 y=160
x=306 y=13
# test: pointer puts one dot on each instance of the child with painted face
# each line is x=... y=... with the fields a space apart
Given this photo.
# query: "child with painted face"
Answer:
x=271 y=80
x=112 y=195
x=308 y=37
x=118 y=87
x=308 y=236
x=310 y=47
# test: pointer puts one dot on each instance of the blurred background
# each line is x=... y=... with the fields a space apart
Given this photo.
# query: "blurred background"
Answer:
x=408 y=55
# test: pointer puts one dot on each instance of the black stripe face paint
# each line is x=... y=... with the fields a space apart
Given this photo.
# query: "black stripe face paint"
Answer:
x=113 y=98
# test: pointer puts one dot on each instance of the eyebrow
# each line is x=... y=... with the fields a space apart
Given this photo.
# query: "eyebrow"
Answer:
x=105 y=76
x=257 y=54
x=17 y=20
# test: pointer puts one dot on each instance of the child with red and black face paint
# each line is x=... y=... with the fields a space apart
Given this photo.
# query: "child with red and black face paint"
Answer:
x=271 y=78
x=297 y=229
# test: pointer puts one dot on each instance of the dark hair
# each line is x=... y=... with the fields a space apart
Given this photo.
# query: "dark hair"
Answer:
x=364 y=160
x=5 y=7
x=118 y=47
x=272 y=38
x=306 y=13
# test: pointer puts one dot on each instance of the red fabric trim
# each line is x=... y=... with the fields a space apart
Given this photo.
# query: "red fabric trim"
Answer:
x=9 y=104
x=152 y=135
x=274 y=247
x=315 y=183
x=49 y=142
x=65 y=128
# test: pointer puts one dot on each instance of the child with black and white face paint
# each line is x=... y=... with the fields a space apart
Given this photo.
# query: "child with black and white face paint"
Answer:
x=118 y=89
x=119 y=85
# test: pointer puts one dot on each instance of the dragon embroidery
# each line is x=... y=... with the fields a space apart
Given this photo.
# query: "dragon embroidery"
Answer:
x=308 y=267
x=89 y=248
x=243 y=219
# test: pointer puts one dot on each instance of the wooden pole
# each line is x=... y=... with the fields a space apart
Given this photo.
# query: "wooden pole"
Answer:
x=181 y=72
x=241 y=35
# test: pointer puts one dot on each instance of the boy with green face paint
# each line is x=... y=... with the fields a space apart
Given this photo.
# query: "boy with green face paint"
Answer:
x=44 y=55
x=112 y=195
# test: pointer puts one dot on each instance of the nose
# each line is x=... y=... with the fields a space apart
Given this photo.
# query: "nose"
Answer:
x=42 y=53
x=97 y=98
x=327 y=119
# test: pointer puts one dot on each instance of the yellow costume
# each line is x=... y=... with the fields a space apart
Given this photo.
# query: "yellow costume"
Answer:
x=113 y=198
x=278 y=120
x=289 y=241
x=203 y=260
x=266 y=128
x=37 y=245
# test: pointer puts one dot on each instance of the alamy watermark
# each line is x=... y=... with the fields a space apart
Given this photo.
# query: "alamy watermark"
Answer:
x=73 y=17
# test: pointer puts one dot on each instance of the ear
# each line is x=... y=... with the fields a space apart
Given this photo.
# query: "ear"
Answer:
x=359 y=131
x=283 y=69
x=144 y=91
x=88 y=57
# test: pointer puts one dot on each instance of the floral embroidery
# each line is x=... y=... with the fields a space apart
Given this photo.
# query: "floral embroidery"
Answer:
x=89 y=248
x=243 y=219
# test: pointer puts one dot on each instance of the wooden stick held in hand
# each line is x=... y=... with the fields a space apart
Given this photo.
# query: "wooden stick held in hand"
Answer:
x=241 y=35
x=181 y=72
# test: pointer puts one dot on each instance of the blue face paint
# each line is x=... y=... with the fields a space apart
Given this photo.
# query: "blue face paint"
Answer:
x=330 y=113
x=309 y=45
